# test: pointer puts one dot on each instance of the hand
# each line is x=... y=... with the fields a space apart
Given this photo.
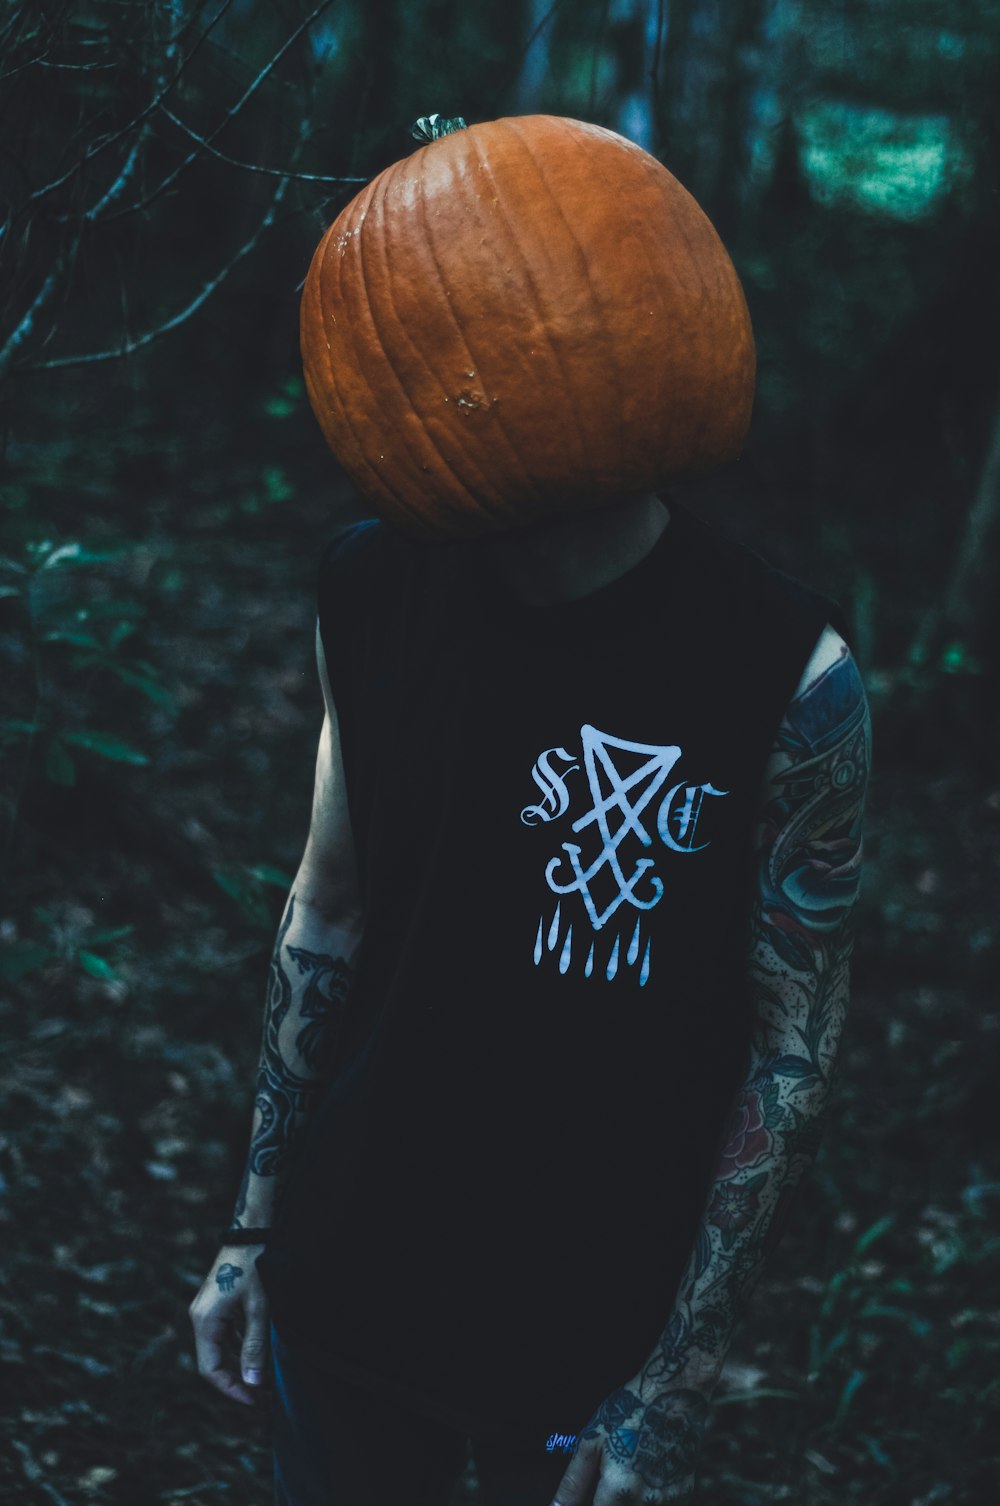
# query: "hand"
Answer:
x=639 y=1447
x=232 y=1305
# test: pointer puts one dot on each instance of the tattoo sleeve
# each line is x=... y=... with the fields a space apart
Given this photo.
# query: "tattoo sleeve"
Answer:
x=808 y=866
x=310 y=976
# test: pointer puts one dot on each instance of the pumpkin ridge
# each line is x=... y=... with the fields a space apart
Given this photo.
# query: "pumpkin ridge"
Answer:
x=323 y=252
x=345 y=409
x=476 y=367
x=512 y=448
x=386 y=262
x=362 y=282
x=564 y=384
x=608 y=341
x=707 y=301
x=490 y=509
x=655 y=284
x=693 y=219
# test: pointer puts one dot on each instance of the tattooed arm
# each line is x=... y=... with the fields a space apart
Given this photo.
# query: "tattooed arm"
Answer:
x=647 y=1435
x=310 y=977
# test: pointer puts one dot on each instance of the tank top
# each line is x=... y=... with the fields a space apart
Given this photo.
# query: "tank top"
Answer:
x=553 y=808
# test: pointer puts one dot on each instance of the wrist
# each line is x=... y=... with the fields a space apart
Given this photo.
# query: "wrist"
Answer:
x=698 y=1373
x=246 y=1234
x=257 y=1201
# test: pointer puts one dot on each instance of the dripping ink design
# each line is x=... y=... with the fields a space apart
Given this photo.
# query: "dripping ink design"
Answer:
x=615 y=876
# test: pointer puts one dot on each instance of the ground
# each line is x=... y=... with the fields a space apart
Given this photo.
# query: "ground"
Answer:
x=867 y=1368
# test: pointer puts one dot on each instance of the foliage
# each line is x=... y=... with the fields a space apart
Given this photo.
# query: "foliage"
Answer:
x=163 y=512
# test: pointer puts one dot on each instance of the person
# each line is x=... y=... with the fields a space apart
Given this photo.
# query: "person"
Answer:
x=530 y=1114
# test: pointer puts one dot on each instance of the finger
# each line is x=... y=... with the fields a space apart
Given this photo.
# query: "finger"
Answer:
x=577 y=1484
x=253 y=1355
x=619 y=1489
x=209 y=1336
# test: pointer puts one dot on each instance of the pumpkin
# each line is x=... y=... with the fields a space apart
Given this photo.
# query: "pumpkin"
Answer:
x=522 y=319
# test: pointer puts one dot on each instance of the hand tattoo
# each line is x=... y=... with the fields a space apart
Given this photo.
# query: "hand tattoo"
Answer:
x=808 y=866
x=659 y=1440
x=227 y=1276
x=289 y=1081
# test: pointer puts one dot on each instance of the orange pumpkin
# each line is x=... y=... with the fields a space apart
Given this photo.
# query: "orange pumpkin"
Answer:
x=523 y=319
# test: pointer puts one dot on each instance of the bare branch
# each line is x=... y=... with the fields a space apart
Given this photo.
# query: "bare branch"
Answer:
x=230 y=114
x=518 y=63
x=18 y=336
x=21 y=67
x=105 y=141
x=253 y=167
x=9 y=25
x=960 y=606
x=76 y=67
x=129 y=346
x=118 y=186
x=19 y=17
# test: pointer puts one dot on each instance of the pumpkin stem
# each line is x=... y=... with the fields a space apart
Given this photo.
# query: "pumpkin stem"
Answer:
x=432 y=127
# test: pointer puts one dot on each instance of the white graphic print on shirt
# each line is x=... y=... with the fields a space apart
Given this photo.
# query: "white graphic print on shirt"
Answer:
x=612 y=789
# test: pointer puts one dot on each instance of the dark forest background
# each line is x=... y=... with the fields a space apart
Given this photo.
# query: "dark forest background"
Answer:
x=166 y=170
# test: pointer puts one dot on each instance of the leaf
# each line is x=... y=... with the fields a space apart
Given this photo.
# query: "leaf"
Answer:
x=833 y=1286
x=75 y=554
x=107 y=746
x=95 y=966
x=121 y=630
x=66 y=635
x=276 y=484
x=703 y=1251
x=764 y=995
x=116 y=933
x=917 y=1325
x=11 y=728
x=59 y=766
x=877 y=1452
x=794 y=1066
x=112 y=606
x=875 y=1232
x=857 y=1378
x=265 y=873
x=837 y=1342
x=61 y=555
x=743 y=1396
x=791 y=949
x=278 y=407
x=149 y=687
x=770 y=1107
x=22 y=958
x=235 y=883
x=956 y=659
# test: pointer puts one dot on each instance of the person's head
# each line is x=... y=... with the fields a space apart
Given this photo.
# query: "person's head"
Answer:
x=524 y=320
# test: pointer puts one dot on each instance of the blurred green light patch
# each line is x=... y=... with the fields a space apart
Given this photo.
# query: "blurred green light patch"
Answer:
x=899 y=165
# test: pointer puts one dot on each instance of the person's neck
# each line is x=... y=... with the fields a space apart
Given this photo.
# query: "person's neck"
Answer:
x=571 y=557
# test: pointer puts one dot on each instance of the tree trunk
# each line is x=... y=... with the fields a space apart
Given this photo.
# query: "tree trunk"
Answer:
x=535 y=68
x=961 y=609
x=633 y=38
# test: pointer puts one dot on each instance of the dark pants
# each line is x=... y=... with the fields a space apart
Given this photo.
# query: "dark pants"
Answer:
x=336 y=1444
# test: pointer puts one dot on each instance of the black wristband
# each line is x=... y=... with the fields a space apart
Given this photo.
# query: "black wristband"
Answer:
x=244 y=1236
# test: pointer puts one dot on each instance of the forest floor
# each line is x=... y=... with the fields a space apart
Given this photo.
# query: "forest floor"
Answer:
x=867 y=1369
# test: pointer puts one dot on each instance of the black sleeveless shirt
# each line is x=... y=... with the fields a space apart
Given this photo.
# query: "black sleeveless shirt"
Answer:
x=553 y=809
